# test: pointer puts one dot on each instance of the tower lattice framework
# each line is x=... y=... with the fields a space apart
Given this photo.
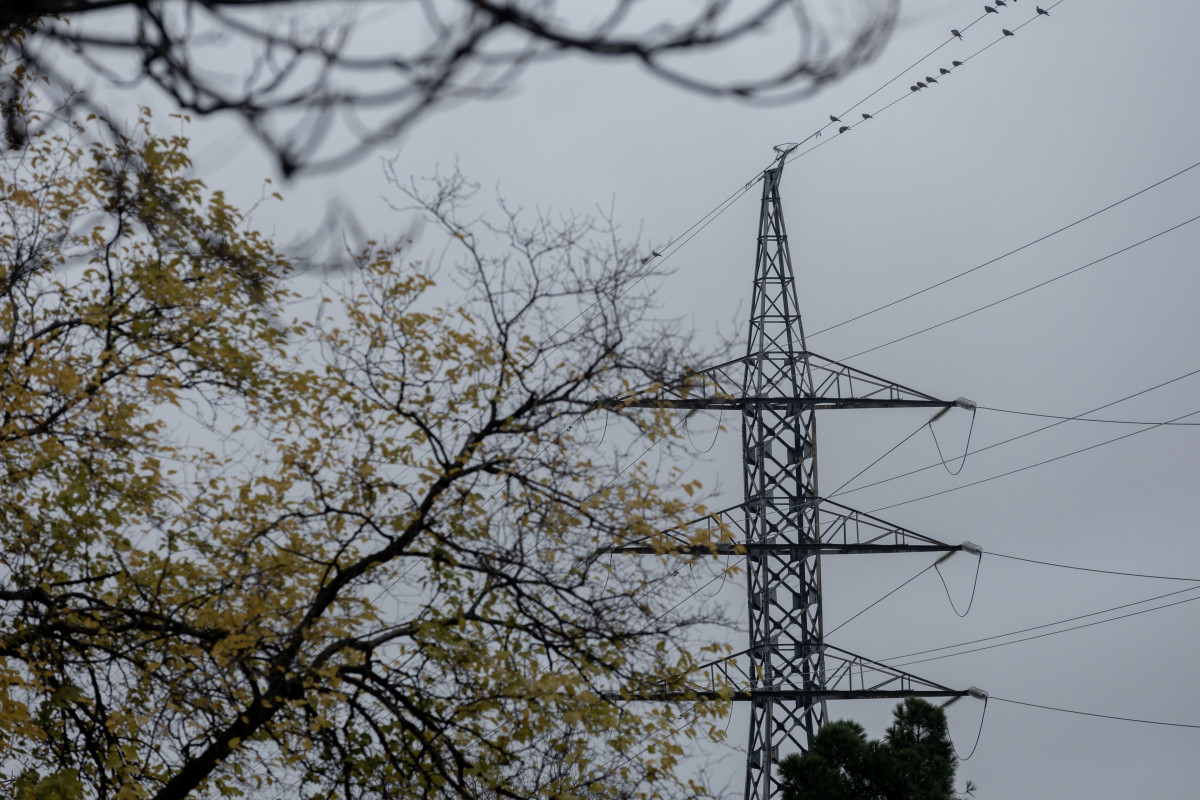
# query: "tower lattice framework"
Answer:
x=788 y=672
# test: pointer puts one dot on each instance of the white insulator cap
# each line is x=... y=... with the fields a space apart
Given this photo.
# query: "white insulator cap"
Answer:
x=963 y=402
x=972 y=548
x=977 y=693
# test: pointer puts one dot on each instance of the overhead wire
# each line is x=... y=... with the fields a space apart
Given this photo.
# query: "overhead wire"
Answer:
x=1094 y=569
x=1034 y=431
x=1037 y=464
x=880 y=600
x=1174 y=593
x=902 y=663
x=974 y=585
x=966 y=448
x=1014 y=251
x=1094 y=714
x=1086 y=419
x=978 y=735
x=1046 y=282
x=834 y=119
x=894 y=448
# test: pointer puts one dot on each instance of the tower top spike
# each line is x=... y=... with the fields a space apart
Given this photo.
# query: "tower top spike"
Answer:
x=783 y=150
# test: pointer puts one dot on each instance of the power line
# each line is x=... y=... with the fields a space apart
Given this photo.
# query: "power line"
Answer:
x=1086 y=419
x=1025 y=291
x=1006 y=255
x=1054 y=633
x=1032 y=432
x=1044 y=625
x=835 y=119
x=1031 y=466
x=1093 y=714
x=1093 y=569
x=880 y=600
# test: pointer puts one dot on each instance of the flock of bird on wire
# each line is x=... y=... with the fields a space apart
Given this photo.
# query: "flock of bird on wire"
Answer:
x=919 y=85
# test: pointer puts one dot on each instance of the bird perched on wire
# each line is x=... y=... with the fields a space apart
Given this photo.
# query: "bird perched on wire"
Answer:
x=843 y=129
x=990 y=10
x=956 y=33
x=1041 y=10
x=832 y=118
x=1001 y=3
x=867 y=116
x=930 y=80
x=943 y=70
x=921 y=85
x=1006 y=32
x=914 y=88
x=956 y=63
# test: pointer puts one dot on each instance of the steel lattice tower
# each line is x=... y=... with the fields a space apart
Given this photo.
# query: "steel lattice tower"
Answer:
x=788 y=672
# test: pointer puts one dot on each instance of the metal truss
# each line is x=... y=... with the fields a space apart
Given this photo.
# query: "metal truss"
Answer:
x=849 y=676
x=841 y=529
x=783 y=527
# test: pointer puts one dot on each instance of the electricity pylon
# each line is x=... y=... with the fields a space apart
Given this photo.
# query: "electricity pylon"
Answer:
x=788 y=673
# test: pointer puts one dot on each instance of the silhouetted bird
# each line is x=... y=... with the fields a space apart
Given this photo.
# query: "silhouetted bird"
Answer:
x=921 y=85
x=1006 y=31
x=655 y=254
x=843 y=129
x=1041 y=10
x=956 y=33
x=943 y=70
x=913 y=88
x=990 y=10
x=1001 y=3
x=930 y=80
x=867 y=116
x=832 y=118
x=956 y=63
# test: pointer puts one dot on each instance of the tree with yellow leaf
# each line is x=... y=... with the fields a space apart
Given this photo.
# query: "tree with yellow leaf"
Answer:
x=343 y=546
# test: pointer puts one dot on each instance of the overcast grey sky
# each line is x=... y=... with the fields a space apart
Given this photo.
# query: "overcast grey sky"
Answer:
x=1076 y=111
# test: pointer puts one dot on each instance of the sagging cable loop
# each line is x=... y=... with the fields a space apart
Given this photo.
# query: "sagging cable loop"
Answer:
x=973 y=549
x=716 y=433
x=603 y=433
x=963 y=403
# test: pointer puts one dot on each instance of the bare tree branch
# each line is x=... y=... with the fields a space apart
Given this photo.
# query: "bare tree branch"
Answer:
x=320 y=83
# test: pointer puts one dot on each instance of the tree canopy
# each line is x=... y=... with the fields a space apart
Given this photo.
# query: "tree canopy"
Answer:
x=320 y=83
x=914 y=761
x=347 y=543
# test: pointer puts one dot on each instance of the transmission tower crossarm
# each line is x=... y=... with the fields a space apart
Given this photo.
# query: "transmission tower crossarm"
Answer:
x=835 y=385
x=850 y=677
x=843 y=530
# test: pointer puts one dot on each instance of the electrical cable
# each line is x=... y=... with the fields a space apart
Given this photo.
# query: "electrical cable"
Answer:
x=1085 y=419
x=588 y=431
x=896 y=447
x=966 y=447
x=1093 y=569
x=1024 y=291
x=834 y=119
x=1055 y=633
x=1045 y=625
x=880 y=600
x=1032 y=432
x=978 y=735
x=716 y=433
x=1093 y=714
x=1006 y=255
x=1031 y=466
x=974 y=586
